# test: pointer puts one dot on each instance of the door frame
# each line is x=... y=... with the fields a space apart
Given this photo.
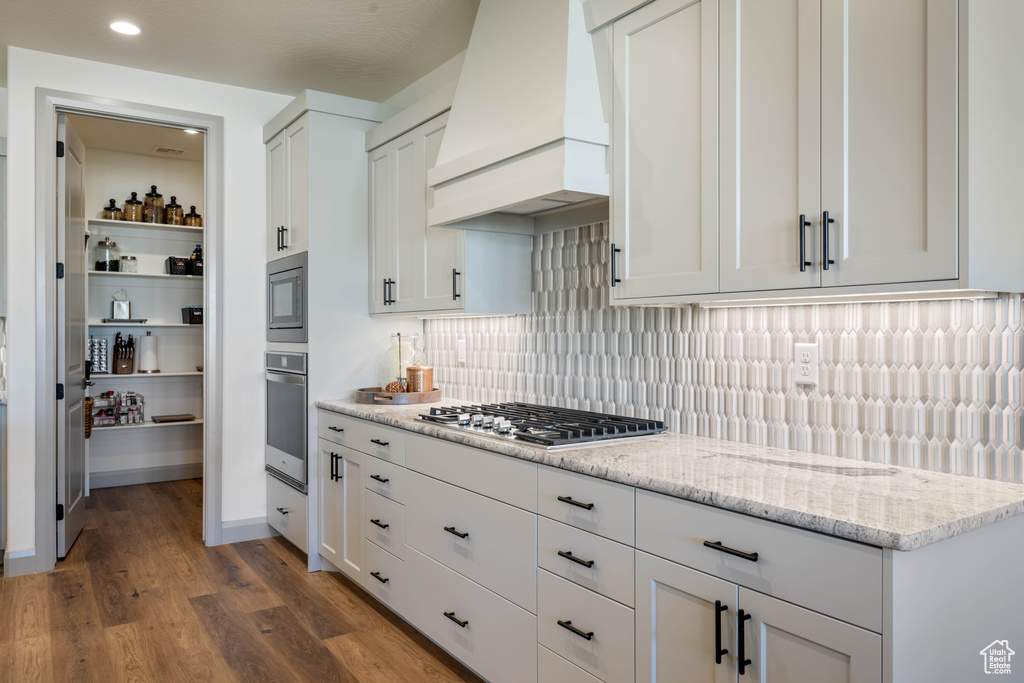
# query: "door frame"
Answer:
x=48 y=102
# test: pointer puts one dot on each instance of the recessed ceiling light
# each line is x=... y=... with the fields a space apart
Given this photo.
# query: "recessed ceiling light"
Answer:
x=190 y=131
x=126 y=28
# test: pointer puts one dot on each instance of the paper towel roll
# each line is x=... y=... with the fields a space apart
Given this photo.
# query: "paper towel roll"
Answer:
x=147 y=354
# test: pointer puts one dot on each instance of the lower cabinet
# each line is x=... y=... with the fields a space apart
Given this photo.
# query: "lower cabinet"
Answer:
x=286 y=511
x=715 y=630
x=341 y=508
x=385 y=577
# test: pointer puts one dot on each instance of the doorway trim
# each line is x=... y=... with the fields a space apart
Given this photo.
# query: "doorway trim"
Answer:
x=48 y=103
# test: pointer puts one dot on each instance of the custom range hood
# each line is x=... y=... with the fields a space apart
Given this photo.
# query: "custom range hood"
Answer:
x=526 y=132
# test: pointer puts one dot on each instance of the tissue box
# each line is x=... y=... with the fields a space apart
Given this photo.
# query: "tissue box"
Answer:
x=121 y=310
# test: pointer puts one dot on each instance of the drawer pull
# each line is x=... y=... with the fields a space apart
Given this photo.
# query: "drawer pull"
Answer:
x=717 y=545
x=336 y=429
x=719 y=650
x=589 y=635
x=379 y=442
x=379 y=478
x=742 y=660
x=570 y=501
x=460 y=622
x=567 y=554
x=377 y=576
x=456 y=532
x=378 y=523
x=283 y=511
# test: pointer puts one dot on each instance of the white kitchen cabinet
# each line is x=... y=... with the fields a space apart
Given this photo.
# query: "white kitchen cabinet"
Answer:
x=425 y=270
x=288 y=191
x=287 y=511
x=341 y=508
x=664 y=203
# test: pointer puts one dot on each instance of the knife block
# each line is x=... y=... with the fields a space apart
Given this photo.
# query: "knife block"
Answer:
x=123 y=366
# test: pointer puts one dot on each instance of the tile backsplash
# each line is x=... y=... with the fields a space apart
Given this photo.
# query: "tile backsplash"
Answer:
x=933 y=385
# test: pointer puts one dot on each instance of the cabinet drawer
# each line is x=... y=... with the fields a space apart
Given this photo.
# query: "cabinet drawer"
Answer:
x=383 y=512
x=489 y=474
x=608 y=653
x=385 y=576
x=601 y=507
x=385 y=478
x=286 y=511
x=830 y=575
x=553 y=669
x=341 y=429
x=387 y=443
x=499 y=639
x=611 y=571
x=499 y=550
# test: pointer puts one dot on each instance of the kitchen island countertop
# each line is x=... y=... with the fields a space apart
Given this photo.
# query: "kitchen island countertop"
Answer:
x=883 y=505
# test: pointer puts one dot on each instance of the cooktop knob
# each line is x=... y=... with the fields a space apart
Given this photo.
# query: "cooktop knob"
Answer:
x=464 y=418
x=477 y=419
x=488 y=422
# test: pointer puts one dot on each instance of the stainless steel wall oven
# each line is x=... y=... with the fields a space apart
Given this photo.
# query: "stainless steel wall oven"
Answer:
x=286 y=418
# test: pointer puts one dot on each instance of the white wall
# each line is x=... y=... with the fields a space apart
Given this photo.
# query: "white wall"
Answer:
x=3 y=112
x=244 y=112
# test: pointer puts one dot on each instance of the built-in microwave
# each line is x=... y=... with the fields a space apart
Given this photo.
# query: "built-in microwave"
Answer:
x=286 y=299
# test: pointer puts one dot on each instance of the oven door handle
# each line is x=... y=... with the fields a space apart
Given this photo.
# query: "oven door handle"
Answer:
x=285 y=378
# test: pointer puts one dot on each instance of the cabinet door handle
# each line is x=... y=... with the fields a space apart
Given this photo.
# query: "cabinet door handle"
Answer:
x=719 y=650
x=570 y=501
x=279 y=238
x=379 y=478
x=283 y=511
x=804 y=223
x=378 y=523
x=589 y=635
x=284 y=236
x=385 y=281
x=825 y=222
x=717 y=545
x=379 y=442
x=334 y=467
x=456 y=532
x=615 y=251
x=336 y=429
x=567 y=554
x=377 y=576
x=460 y=622
x=742 y=657
x=455 y=292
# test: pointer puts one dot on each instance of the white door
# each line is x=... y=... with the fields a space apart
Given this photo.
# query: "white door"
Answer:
x=381 y=229
x=770 y=144
x=71 y=338
x=331 y=511
x=679 y=628
x=296 y=237
x=407 y=196
x=277 y=197
x=664 y=204
x=789 y=644
x=351 y=480
x=889 y=140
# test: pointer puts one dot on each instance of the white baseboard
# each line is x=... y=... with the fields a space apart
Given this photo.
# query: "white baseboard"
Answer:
x=238 y=530
x=145 y=475
x=20 y=562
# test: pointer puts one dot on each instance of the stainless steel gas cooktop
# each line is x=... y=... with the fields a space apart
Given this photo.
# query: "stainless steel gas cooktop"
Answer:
x=546 y=426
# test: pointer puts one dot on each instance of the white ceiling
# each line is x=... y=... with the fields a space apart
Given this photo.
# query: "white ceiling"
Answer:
x=368 y=49
x=116 y=135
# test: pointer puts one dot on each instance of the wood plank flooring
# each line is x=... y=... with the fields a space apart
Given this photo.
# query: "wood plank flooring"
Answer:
x=140 y=598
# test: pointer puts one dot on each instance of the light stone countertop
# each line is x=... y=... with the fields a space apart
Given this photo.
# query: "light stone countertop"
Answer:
x=883 y=505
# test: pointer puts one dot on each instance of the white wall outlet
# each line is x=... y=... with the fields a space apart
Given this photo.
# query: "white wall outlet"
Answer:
x=807 y=364
x=462 y=352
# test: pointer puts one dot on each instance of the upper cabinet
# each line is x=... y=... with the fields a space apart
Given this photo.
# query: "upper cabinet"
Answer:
x=287 y=191
x=800 y=147
x=415 y=269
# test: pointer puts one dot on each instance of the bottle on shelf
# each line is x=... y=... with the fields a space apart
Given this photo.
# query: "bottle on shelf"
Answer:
x=195 y=262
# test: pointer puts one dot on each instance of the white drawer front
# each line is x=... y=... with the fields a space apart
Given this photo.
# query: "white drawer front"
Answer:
x=499 y=640
x=286 y=512
x=385 y=478
x=830 y=575
x=385 y=577
x=489 y=474
x=553 y=669
x=610 y=570
x=335 y=427
x=387 y=443
x=601 y=507
x=608 y=653
x=499 y=550
x=384 y=523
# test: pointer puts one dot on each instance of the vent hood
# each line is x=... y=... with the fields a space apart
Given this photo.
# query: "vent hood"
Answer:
x=526 y=132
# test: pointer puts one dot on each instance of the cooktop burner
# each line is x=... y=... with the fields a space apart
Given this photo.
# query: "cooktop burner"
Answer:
x=542 y=425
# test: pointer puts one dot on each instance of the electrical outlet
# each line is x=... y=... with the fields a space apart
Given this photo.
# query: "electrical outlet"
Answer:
x=807 y=364
x=462 y=352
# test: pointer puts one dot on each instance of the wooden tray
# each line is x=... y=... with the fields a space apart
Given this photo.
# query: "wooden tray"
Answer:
x=377 y=395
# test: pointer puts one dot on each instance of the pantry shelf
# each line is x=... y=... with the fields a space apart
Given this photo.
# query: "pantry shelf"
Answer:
x=145 y=375
x=127 y=325
x=146 y=425
x=100 y=222
x=195 y=279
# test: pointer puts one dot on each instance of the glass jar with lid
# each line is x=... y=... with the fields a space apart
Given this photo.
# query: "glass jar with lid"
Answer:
x=193 y=219
x=173 y=213
x=107 y=256
x=397 y=359
x=129 y=264
x=112 y=213
x=133 y=208
x=153 y=207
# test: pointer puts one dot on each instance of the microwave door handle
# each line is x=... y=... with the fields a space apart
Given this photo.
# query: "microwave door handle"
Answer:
x=285 y=378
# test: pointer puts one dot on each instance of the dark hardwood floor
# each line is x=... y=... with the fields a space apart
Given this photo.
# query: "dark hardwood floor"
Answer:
x=140 y=598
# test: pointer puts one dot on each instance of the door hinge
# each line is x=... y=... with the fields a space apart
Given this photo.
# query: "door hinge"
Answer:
x=60 y=149
x=60 y=392
x=60 y=512
x=60 y=271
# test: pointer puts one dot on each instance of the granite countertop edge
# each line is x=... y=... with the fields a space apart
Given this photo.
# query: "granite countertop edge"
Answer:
x=579 y=460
